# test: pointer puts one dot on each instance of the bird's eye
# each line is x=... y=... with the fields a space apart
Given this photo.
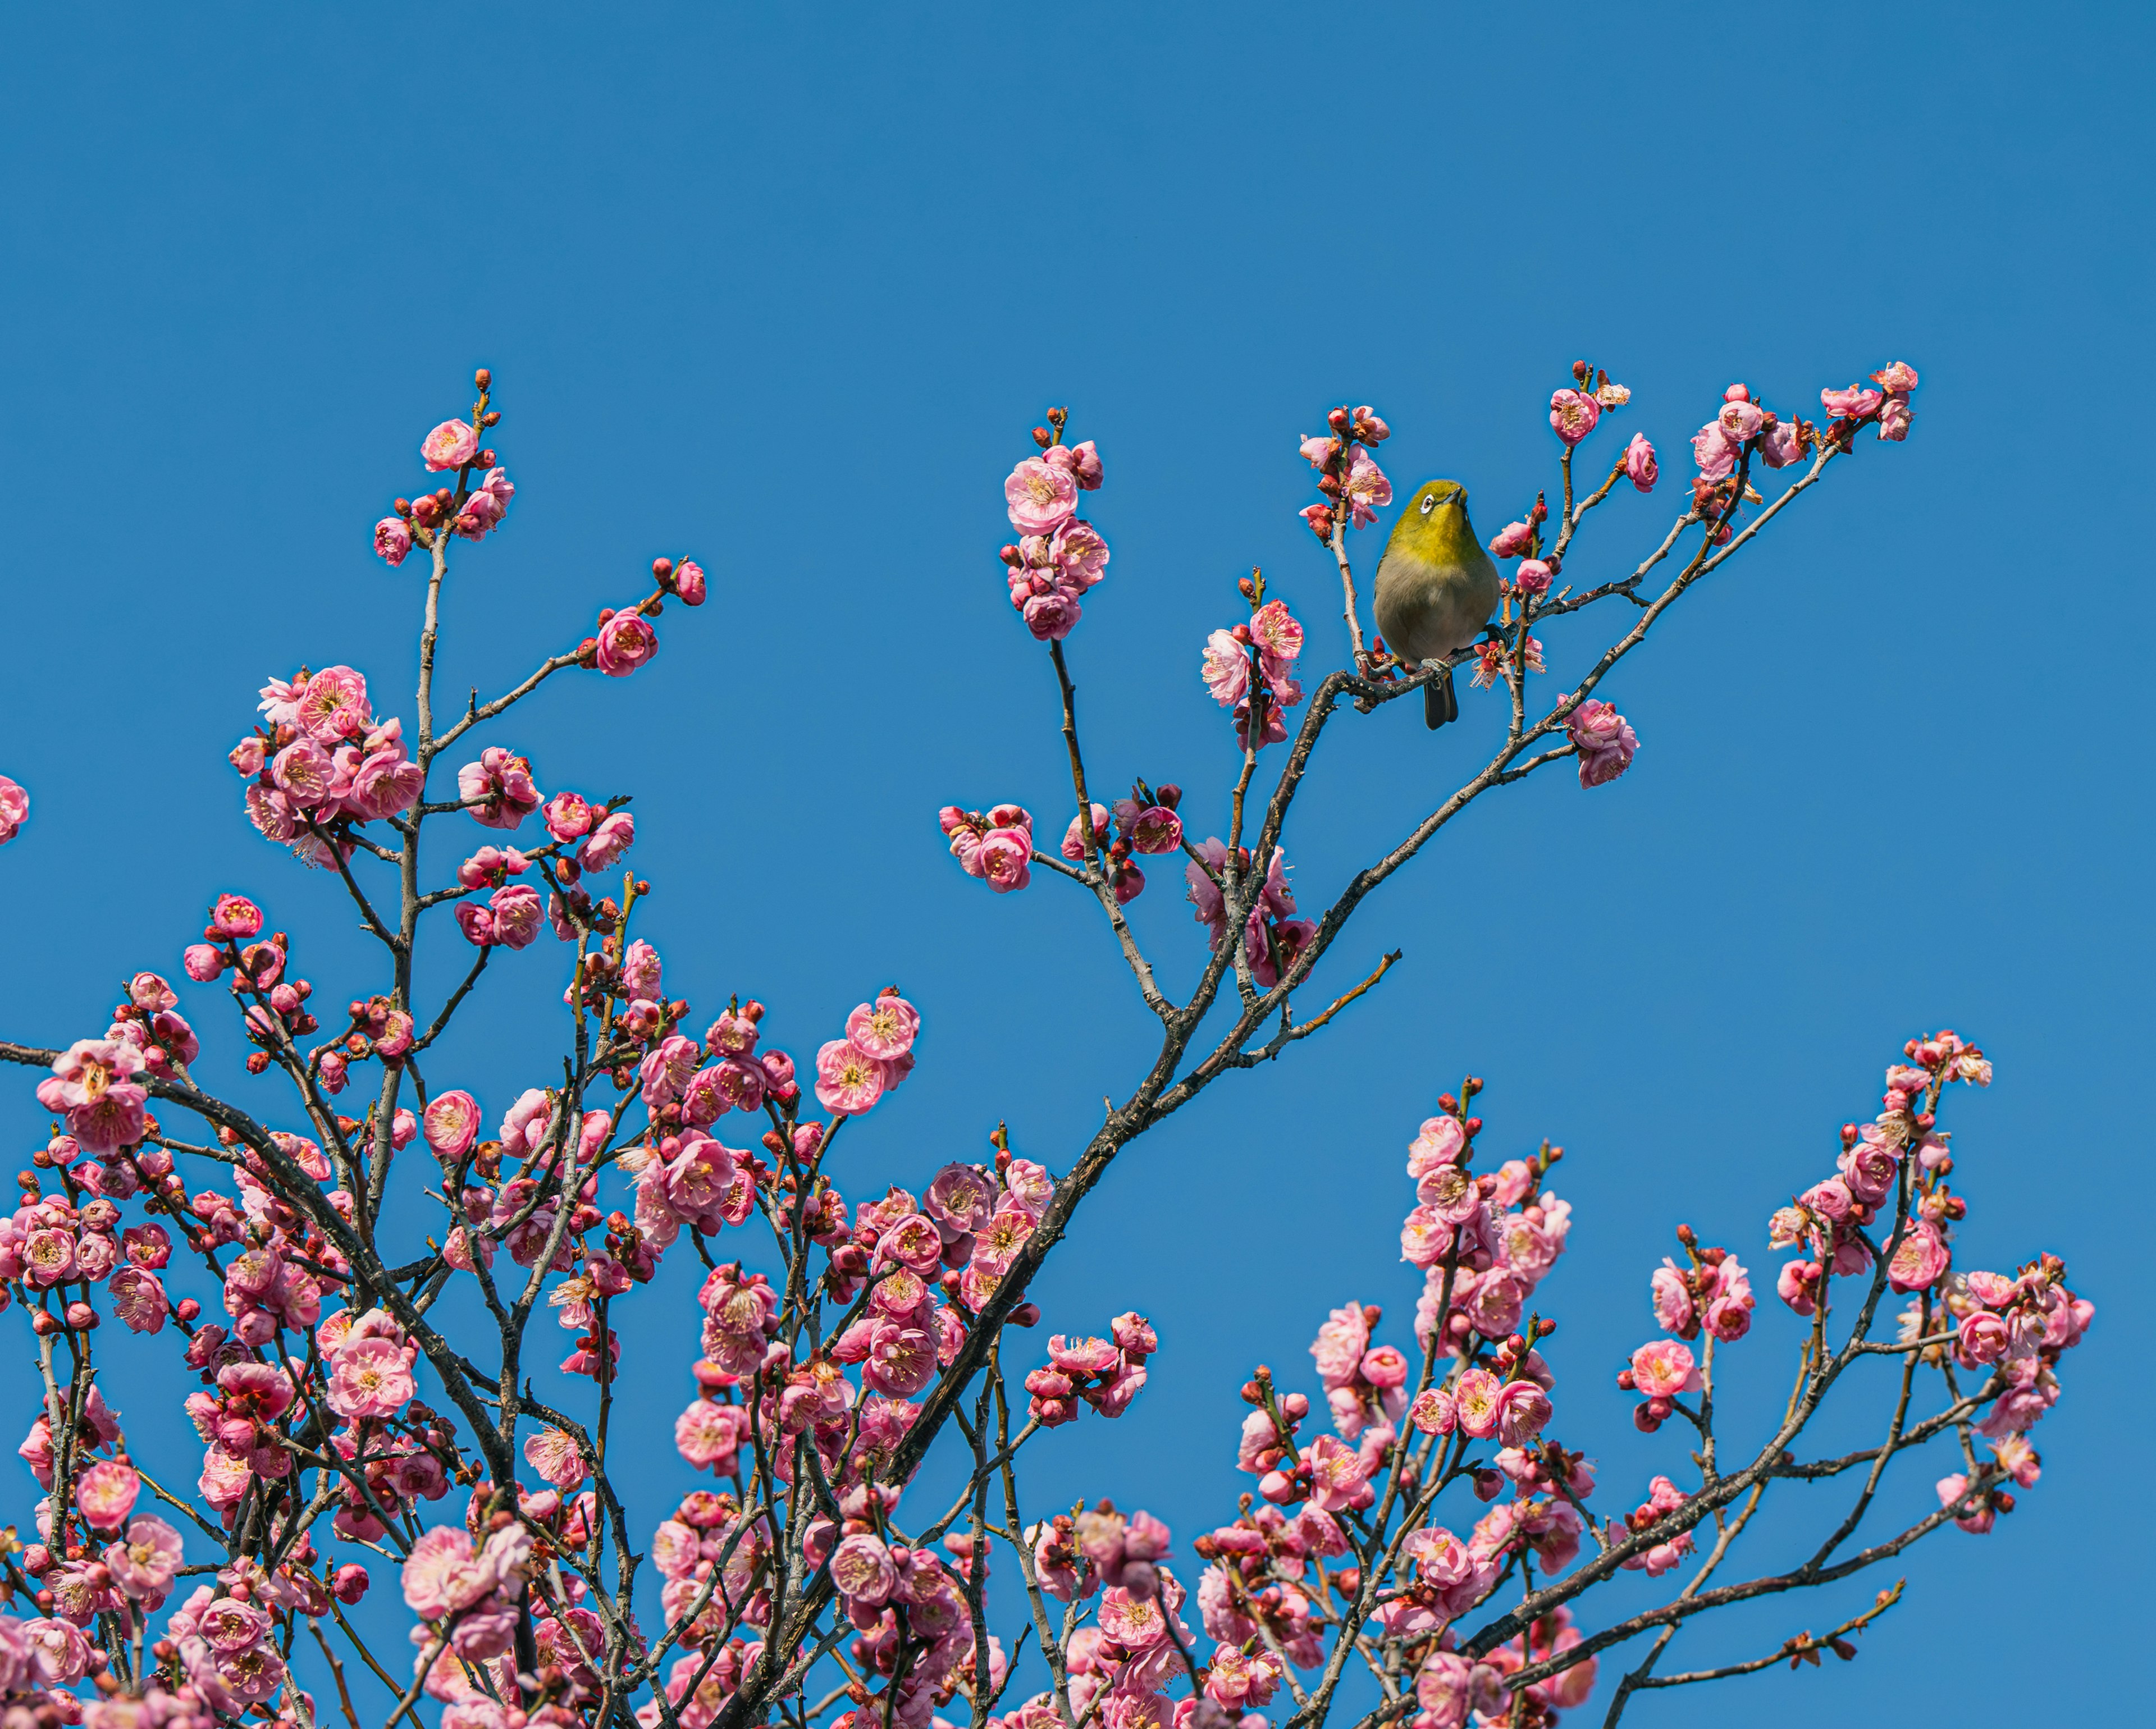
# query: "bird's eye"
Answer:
x=1429 y=503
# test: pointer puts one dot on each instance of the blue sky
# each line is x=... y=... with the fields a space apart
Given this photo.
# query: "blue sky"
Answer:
x=787 y=291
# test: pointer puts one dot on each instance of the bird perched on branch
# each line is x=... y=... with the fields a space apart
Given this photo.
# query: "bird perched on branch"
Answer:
x=1437 y=588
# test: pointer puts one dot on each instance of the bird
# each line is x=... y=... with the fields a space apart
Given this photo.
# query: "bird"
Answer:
x=1437 y=588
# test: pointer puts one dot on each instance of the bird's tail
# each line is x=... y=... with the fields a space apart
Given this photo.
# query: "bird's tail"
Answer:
x=1438 y=703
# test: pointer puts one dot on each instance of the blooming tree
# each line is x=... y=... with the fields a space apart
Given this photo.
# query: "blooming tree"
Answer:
x=1418 y=1546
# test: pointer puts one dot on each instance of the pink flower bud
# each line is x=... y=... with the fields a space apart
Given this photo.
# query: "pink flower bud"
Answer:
x=202 y=963
x=1639 y=468
x=393 y=538
x=1515 y=539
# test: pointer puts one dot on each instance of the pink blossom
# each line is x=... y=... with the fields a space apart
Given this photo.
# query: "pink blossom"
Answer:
x=1853 y=403
x=1729 y=1306
x=235 y=916
x=451 y=445
x=329 y=706
x=518 y=913
x=1341 y=1345
x=1662 y=1369
x=57 y=1649
x=1673 y=1302
x=92 y=1083
x=1740 y=421
x=1606 y=740
x=1152 y=828
x=1082 y=460
x=1894 y=415
x=1952 y=1488
x=861 y=1570
x=884 y=1028
x=1049 y=616
x=1573 y=414
x=1005 y=857
x=370 y=1378
x=1074 y=837
x=302 y=771
x=1339 y=1476
x=1277 y=635
x=14 y=809
x=1779 y=445
x=1077 y=554
x=1226 y=669
x=1532 y=577
x=901 y=1359
x=106 y=1493
x=708 y=1435
x=1919 y=1260
x=1640 y=466
x=482 y=512
x=144 y=1563
x=1041 y=495
x=1475 y=1403
x=138 y=1300
x=1522 y=1410
x=688 y=583
x=569 y=817
x=1365 y=488
x=451 y=1123
x=1434 y=1412
x=498 y=789
x=625 y=642
x=604 y=847
x=393 y=538
x=1713 y=451
x=555 y=1456
x=847 y=1081
x=1982 y=1339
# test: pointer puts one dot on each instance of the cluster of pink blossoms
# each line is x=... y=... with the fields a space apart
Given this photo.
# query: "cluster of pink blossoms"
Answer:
x=1272 y=935
x=321 y=757
x=1254 y=663
x=1354 y=486
x=1120 y=1666
x=996 y=846
x=1574 y=413
x=1485 y=1241
x=1058 y=557
x=913 y=1628
x=305 y=1370
x=469 y=1593
x=1104 y=1373
x=470 y=512
x=1606 y=740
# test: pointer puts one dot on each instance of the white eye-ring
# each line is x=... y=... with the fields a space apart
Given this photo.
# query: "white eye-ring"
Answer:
x=1429 y=503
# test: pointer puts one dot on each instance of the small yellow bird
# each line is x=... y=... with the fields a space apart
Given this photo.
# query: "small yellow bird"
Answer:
x=1437 y=588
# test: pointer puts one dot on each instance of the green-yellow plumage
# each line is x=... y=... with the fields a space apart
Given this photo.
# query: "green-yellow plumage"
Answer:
x=1437 y=587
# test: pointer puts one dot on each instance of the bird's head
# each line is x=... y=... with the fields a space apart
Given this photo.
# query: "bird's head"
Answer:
x=1435 y=523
